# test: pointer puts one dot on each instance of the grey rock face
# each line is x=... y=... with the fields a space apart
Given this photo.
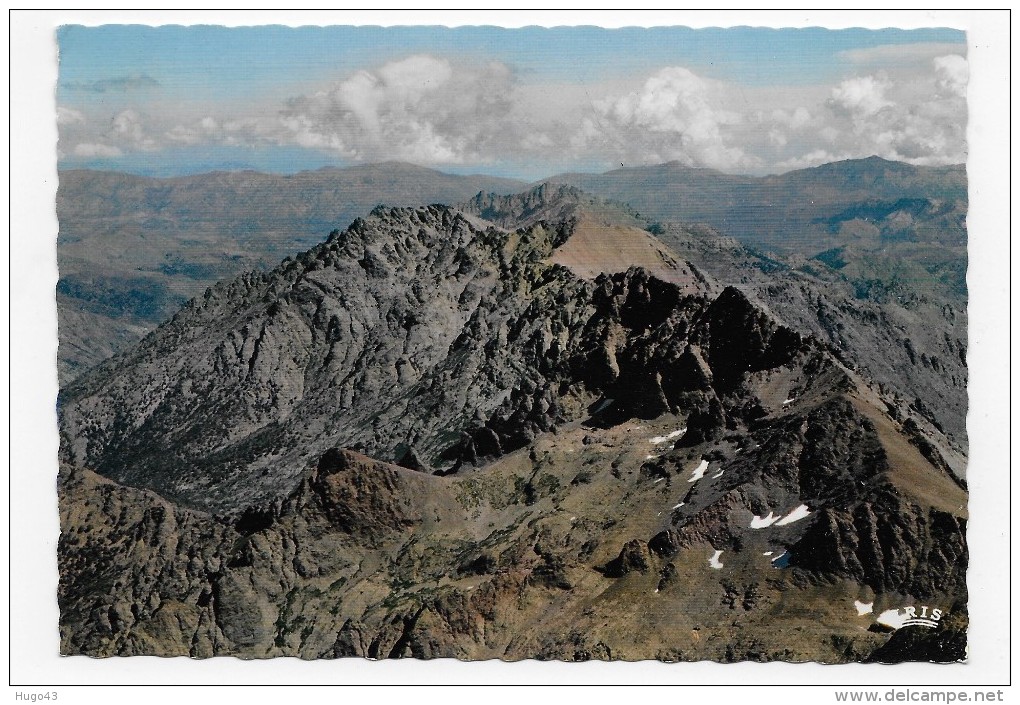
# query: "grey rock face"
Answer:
x=404 y=330
x=397 y=331
x=132 y=249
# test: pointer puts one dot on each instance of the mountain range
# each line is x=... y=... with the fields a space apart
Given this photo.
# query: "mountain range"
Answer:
x=132 y=249
x=537 y=425
x=866 y=203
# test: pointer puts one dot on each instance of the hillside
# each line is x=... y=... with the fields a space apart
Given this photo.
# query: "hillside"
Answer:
x=870 y=213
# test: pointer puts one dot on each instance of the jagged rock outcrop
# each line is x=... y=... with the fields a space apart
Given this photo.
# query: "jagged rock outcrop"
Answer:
x=898 y=547
x=365 y=497
x=633 y=557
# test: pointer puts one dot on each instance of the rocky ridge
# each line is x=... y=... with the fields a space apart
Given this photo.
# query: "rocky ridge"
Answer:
x=132 y=249
x=603 y=467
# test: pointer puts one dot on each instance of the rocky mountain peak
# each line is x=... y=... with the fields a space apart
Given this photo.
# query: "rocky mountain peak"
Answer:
x=432 y=435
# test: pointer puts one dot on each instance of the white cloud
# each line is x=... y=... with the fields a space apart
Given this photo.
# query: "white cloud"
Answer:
x=862 y=96
x=952 y=74
x=437 y=111
x=184 y=135
x=93 y=149
x=421 y=108
x=795 y=119
x=778 y=138
x=675 y=115
x=813 y=158
x=129 y=130
x=889 y=57
x=918 y=117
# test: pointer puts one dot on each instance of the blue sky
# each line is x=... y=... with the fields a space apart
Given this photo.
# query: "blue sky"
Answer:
x=523 y=102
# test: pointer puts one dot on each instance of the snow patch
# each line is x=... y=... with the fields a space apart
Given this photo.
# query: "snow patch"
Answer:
x=678 y=505
x=796 y=515
x=863 y=608
x=789 y=401
x=670 y=436
x=767 y=553
x=714 y=560
x=718 y=474
x=761 y=522
x=659 y=480
x=698 y=472
x=651 y=457
x=781 y=561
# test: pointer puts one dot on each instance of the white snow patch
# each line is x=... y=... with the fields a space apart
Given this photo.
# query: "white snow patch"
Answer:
x=651 y=457
x=863 y=608
x=659 y=480
x=698 y=472
x=767 y=553
x=761 y=522
x=779 y=557
x=796 y=515
x=892 y=618
x=670 y=436
x=573 y=519
x=714 y=560
x=718 y=474
x=789 y=401
x=678 y=505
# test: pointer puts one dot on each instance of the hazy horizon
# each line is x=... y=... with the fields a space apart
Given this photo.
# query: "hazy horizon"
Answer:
x=450 y=171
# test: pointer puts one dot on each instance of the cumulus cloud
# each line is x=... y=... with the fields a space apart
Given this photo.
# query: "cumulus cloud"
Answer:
x=674 y=116
x=862 y=96
x=128 y=129
x=89 y=136
x=918 y=117
x=952 y=74
x=437 y=111
x=421 y=108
